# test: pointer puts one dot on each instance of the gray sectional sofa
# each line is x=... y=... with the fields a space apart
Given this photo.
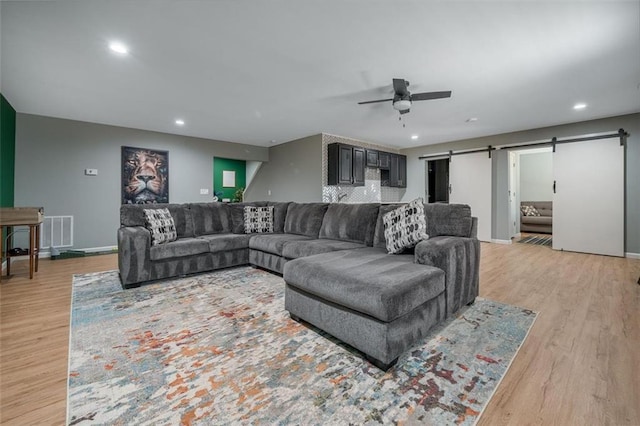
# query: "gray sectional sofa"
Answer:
x=338 y=274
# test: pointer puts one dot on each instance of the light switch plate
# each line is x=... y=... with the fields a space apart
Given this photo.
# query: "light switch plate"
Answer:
x=91 y=172
x=204 y=191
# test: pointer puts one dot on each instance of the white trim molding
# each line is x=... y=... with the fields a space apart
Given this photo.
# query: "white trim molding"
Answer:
x=629 y=255
x=496 y=241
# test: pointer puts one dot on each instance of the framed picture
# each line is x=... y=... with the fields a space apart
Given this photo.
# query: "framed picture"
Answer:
x=145 y=176
x=228 y=179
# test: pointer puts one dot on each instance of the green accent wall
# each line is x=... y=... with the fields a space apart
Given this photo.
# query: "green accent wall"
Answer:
x=7 y=152
x=7 y=156
x=238 y=166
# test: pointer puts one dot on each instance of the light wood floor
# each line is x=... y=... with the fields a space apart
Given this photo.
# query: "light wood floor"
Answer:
x=579 y=366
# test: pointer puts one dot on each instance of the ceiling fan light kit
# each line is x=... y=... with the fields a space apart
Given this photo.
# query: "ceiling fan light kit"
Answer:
x=402 y=104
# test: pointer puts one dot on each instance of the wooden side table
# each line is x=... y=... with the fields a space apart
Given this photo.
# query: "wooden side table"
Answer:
x=22 y=216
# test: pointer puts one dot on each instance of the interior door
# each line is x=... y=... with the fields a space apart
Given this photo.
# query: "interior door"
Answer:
x=588 y=200
x=470 y=183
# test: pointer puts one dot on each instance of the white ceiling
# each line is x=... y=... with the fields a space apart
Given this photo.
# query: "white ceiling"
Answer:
x=255 y=71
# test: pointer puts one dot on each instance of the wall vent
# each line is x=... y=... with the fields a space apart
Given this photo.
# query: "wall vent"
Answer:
x=57 y=231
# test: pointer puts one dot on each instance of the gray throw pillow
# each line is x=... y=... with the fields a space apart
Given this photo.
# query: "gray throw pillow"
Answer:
x=160 y=223
x=405 y=226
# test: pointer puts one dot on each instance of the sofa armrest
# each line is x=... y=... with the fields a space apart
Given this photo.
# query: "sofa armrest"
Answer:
x=134 y=244
x=474 y=227
x=459 y=258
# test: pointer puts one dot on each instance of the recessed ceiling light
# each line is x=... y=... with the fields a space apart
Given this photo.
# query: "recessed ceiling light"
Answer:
x=580 y=106
x=118 y=47
x=180 y=122
x=414 y=137
x=472 y=120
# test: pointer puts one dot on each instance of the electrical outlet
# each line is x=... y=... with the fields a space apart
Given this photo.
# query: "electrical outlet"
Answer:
x=204 y=191
x=91 y=172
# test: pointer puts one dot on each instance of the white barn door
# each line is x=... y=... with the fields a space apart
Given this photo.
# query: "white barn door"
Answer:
x=588 y=203
x=470 y=183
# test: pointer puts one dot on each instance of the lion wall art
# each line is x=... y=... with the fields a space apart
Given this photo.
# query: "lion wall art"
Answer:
x=145 y=176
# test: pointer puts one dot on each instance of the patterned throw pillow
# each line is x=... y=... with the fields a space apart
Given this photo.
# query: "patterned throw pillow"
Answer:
x=529 y=211
x=258 y=219
x=160 y=224
x=405 y=226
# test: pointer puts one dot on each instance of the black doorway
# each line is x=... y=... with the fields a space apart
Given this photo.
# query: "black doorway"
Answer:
x=438 y=180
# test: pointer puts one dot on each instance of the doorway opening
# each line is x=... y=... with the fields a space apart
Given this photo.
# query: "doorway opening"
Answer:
x=531 y=195
x=438 y=181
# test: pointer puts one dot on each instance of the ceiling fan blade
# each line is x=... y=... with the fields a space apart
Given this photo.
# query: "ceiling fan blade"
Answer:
x=404 y=111
x=400 y=87
x=373 y=102
x=430 y=95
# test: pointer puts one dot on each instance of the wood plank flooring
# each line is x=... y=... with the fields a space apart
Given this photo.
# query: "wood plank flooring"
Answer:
x=579 y=366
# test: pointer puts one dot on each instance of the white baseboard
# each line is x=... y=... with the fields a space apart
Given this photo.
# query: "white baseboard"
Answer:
x=496 y=241
x=632 y=255
x=97 y=249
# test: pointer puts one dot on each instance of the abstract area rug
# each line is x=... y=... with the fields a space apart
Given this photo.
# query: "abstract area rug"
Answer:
x=219 y=348
x=539 y=240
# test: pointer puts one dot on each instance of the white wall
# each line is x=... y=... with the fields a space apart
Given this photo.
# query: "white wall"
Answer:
x=536 y=176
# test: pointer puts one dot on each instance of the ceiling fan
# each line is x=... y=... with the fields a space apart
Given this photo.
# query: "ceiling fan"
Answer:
x=402 y=98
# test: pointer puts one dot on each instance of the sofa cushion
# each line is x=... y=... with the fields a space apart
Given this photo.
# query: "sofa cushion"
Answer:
x=133 y=215
x=258 y=220
x=448 y=219
x=537 y=220
x=305 y=219
x=160 y=225
x=237 y=214
x=279 y=214
x=211 y=218
x=296 y=249
x=405 y=227
x=350 y=222
x=367 y=280
x=273 y=243
x=226 y=242
x=179 y=248
x=378 y=235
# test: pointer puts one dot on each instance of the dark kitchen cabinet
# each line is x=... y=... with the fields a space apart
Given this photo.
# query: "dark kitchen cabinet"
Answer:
x=359 y=160
x=384 y=160
x=402 y=171
x=393 y=171
x=372 y=158
x=396 y=175
x=345 y=165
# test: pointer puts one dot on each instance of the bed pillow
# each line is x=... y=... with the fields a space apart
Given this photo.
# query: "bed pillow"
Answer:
x=258 y=219
x=161 y=225
x=405 y=226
